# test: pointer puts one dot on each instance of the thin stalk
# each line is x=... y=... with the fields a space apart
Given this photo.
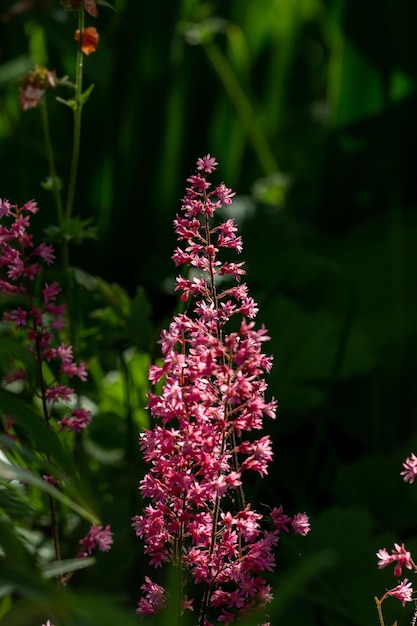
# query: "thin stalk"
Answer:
x=56 y=191
x=239 y=490
x=42 y=386
x=77 y=120
x=379 y=609
x=55 y=184
x=235 y=461
x=243 y=107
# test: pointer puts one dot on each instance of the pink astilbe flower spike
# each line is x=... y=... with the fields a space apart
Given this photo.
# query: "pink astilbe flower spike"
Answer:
x=39 y=323
x=208 y=421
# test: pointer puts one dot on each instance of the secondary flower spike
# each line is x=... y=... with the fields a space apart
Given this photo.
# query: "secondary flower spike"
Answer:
x=207 y=437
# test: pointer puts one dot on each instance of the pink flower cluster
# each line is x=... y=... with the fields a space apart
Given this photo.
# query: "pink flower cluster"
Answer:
x=208 y=413
x=401 y=558
x=41 y=320
x=399 y=555
x=402 y=592
x=97 y=538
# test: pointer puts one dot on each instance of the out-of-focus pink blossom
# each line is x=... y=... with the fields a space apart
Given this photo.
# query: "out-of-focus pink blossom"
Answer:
x=410 y=468
x=97 y=538
x=39 y=322
x=301 y=524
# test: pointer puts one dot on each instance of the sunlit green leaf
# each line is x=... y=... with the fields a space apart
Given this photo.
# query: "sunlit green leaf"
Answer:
x=10 y=472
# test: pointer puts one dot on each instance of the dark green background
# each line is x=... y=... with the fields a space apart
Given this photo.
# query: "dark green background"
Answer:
x=324 y=92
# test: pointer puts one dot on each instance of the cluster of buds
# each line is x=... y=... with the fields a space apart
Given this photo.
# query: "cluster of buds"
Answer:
x=208 y=414
x=39 y=321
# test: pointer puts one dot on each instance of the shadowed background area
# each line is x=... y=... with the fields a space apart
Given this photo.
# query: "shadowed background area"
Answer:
x=309 y=108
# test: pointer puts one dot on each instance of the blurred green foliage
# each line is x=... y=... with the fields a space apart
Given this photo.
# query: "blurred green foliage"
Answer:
x=309 y=107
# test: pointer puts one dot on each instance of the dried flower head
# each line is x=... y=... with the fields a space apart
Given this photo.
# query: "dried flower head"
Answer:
x=34 y=85
x=90 y=6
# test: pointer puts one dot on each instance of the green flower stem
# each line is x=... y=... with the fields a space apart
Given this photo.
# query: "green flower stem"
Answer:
x=77 y=121
x=55 y=186
x=243 y=106
x=55 y=183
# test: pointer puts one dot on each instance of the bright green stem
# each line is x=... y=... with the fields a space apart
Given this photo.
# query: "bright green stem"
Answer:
x=243 y=106
x=55 y=183
x=78 y=105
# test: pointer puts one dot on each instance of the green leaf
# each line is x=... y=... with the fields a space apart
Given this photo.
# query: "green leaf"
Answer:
x=272 y=190
x=86 y=95
x=75 y=230
x=138 y=322
x=9 y=472
x=202 y=33
x=52 y=184
x=42 y=437
x=58 y=568
x=15 y=503
x=70 y=103
x=103 y=3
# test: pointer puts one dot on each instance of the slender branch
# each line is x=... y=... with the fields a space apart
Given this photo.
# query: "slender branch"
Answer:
x=77 y=120
x=55 y=184
x=379 y=609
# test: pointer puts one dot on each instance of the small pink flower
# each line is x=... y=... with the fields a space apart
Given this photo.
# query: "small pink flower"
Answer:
x=46 y=252
x=153 y=600
x=384 y=558
x=301 y=524
x=18 y=316
x=207 y=164
x=76 y=421
x=410 y=469
x=50 y=291
x=403 y=592
x=399 y=555
x=5 y=208
x=58 y=393
x=13 y=375
x=48 y=623
x=97 y=537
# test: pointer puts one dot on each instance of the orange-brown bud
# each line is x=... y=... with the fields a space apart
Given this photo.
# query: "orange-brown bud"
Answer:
x=89 y=39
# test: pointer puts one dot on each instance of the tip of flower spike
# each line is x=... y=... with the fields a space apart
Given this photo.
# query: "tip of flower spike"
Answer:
x=207 y=164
